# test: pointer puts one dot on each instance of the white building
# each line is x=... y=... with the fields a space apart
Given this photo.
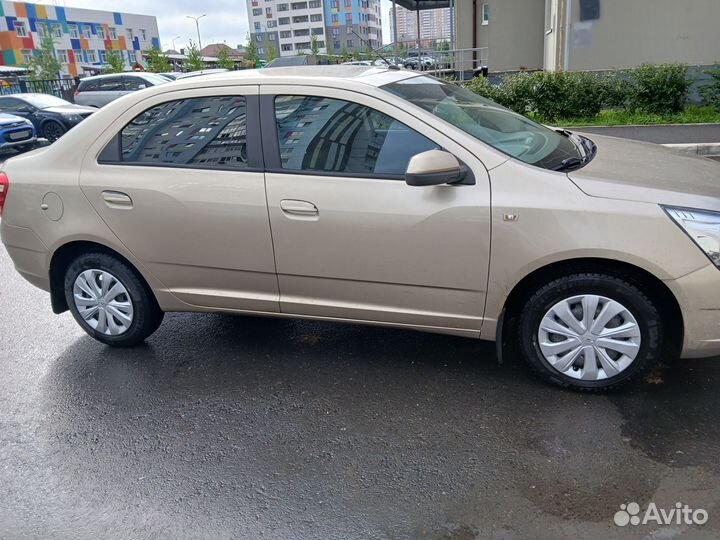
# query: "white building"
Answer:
x=289 y=26
x=435 y=24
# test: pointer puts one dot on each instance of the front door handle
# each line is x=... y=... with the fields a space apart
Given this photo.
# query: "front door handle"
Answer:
x=116 y=199
x=298 y=208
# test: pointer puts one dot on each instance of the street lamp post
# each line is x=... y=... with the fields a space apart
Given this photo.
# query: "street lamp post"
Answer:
x=197 y=25
x=173 y=42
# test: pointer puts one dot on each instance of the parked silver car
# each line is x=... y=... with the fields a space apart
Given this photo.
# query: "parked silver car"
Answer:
x=102 y=89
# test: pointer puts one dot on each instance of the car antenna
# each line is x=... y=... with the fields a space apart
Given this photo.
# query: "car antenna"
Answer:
x=365 y=42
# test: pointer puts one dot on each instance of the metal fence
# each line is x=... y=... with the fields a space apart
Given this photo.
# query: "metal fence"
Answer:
x=460 y=64
x=62 y=88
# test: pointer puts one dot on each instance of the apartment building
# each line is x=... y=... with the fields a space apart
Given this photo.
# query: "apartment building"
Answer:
x=288 y=27
x=81 y=37
x=581 y=35
x=434 y=24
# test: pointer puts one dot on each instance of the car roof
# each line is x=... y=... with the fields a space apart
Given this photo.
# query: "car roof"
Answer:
x=108 y=75
x=367 y=75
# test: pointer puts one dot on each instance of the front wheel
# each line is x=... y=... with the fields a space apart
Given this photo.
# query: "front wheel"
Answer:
x=52 y=131
x=109 y=301
x=590 y=332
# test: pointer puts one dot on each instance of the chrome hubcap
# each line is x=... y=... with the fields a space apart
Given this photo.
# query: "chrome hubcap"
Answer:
x=103 y=302
x=589 y=337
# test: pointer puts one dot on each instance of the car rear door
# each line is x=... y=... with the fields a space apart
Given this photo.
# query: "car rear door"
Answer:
x=352 y=240
x=178 y=178
x=109 y=89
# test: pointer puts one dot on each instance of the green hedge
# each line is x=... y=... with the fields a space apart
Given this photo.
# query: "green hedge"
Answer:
x=711 y=92
x=661 y=89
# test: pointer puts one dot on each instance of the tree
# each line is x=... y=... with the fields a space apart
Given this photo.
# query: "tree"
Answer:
x=114 y=63
x=223 y=59
x=356 y=55
x=272 y=53
x=43 y=64
x=194 y=60
x=344 y=54
x=314 y=47
x=369 y=53
x=157 y=62
x=251 y=54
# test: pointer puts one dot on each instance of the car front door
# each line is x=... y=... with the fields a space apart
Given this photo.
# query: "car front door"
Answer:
x=178 y=178
x=352 y=240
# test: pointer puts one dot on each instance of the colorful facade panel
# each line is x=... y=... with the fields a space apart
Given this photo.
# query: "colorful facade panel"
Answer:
x=81 y=37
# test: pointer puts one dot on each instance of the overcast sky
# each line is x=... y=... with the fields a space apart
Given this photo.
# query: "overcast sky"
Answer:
x=226 y=20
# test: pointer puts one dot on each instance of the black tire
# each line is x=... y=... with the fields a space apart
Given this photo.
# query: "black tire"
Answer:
x=52 y=130
x=645 y=312
x=147 y=314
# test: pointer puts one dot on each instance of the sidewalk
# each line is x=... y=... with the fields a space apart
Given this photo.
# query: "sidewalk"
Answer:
x=663 y=134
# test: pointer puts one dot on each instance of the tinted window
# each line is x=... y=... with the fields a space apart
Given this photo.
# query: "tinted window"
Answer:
x=330 y=135
x=87 y=86
x=135 y=83
x=208 y=131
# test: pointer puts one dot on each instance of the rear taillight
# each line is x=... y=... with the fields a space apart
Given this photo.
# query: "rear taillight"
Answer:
x=77 y=93
x=4 y=185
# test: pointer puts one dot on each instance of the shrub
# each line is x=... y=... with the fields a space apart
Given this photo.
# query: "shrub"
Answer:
x=711 y=91
x=661 y=89
x=565 y=95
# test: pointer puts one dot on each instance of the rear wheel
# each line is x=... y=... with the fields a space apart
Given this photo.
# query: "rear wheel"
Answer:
x=109 y=300
x=590 y=332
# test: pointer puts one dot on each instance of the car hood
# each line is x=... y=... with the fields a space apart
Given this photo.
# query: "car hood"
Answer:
x=636 y=171
x=6 y=119
x=71 y=109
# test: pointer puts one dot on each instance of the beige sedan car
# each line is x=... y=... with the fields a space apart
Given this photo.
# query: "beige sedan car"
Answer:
x=376 y=196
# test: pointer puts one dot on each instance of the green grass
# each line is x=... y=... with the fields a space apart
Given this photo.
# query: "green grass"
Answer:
x=691 y=115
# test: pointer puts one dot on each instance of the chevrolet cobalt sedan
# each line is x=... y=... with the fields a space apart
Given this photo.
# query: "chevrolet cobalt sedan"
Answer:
x=379 y=196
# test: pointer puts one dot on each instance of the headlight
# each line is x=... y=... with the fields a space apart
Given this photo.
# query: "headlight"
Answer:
x=702 y=226
x=74 y=118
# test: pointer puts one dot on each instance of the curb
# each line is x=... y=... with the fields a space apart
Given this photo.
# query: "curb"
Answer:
x=695 y=149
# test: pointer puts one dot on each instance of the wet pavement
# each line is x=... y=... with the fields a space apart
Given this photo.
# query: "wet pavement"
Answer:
x=236 y=427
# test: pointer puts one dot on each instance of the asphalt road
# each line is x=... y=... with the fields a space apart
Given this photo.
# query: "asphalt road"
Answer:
x=236 y=427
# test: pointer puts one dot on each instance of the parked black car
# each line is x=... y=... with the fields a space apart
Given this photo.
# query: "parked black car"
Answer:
x=50 y=115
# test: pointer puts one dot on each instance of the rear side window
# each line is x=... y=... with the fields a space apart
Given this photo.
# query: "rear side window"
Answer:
x=88 y=86
x=207 y=132
x=330 y=135
x=111 y=84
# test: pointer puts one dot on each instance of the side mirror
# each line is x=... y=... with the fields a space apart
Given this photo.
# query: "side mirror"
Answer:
x=434 y=168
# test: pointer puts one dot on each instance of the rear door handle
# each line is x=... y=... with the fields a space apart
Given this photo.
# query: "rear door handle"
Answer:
x=117 y=199
x=298 y=208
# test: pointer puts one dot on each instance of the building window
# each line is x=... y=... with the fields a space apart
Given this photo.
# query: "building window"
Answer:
x=143 y=33
x=348 y=3
x=73 y=31
x=268 y=11
x=301 y=19
x=131 y=57
x=87 y=32
x=130 y=34
x=485 y=13
x=299 y=5
x=314 y=4
x=113 y=33
x=317 y=17
x=43 y=30
x=101 y=32
x=272 y=24
x=20 y=29
x=91 y=57
x=257 y=12
x=282 y=7
x=261 y=50
x=286 y=47
x=27 y=56
x=258 y=26
x=78 y=56
x=334 y=136
x=301 y=33
x=207 y=132
x=285 y=34
x=350 y=43
x=62 y=56
x=284 y=20
x=318 y=31
x=103 y=56
x=57 y=31
x=272 y=36
x=258 y=38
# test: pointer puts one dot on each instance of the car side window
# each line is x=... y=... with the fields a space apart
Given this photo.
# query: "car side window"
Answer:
x=335 y=136
x=135 y=83
x=111 y=84
x=208 y=132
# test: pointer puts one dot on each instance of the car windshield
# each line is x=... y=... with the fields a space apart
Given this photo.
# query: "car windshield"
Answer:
x=507 y=131
x=43 y=101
